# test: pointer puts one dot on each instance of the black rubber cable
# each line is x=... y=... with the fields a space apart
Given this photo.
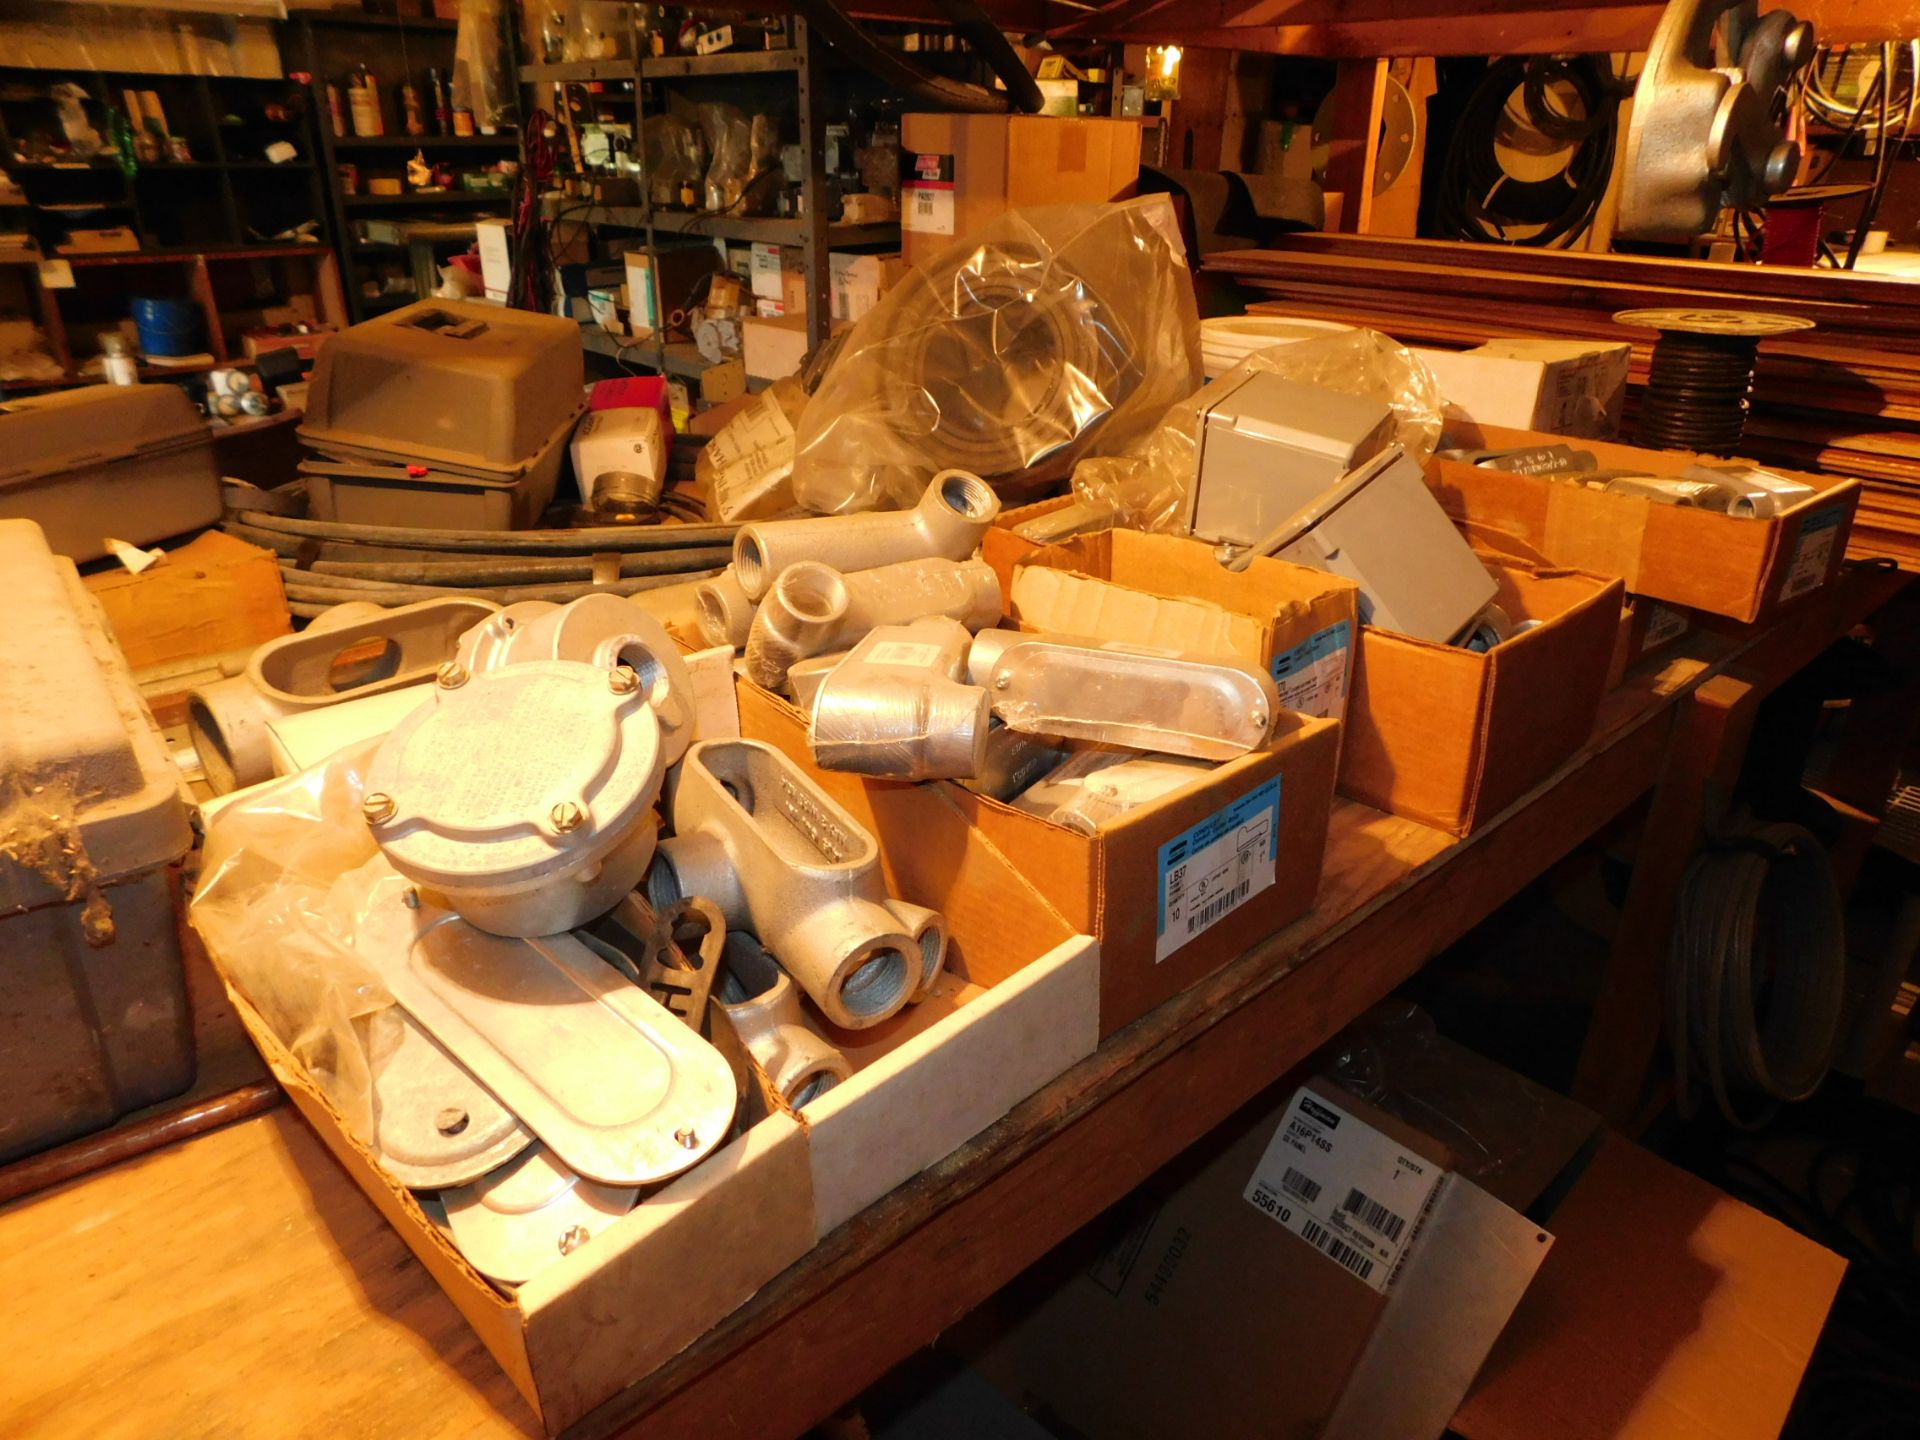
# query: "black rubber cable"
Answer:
x=498 y=542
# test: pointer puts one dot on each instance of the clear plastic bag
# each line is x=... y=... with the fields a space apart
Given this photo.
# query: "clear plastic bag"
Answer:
x=676 y=153
x=479 y=65
x=1146 y=488
x=1052 y=333
x=1392 y=1057
x=286 y=876
x=742 y=150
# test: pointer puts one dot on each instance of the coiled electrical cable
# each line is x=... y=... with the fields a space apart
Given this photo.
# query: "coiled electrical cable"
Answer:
x=1477 y=199
x=1756 y=968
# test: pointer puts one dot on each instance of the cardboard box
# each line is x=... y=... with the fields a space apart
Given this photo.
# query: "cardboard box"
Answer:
x=1151 y=948
x=1666 y=1311
x=1016 y=1008
x=1742 y=569
x=858 y=281
x=213 y=595
x=1568 y=387
x=1226 y=1296
x=495 y=239
x=773 y=346
x=960 y=171
x=1451 y=737
x=111 y=241
x=1647 y=628
x=1170 y=592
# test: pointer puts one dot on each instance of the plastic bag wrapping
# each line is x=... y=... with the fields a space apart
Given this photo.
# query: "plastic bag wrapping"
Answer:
x=742 y=150
x=1052 y=333
x=1392 y=1057
x=1147 y=487
x=1096 y=787
x=479 y=65
x=676 y=155
x=746 y=471
x=287 y=874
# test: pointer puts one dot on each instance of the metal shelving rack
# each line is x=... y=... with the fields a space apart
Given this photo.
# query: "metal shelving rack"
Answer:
x=332 y=42
x=803 y=58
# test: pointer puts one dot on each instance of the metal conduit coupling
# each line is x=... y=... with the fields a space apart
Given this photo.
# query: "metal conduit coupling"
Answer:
x=762 y=1004
x=725 y=611
x=758 y=837
x=953 y=513
x=604 y=631
x=898 y=707
x=818 y=610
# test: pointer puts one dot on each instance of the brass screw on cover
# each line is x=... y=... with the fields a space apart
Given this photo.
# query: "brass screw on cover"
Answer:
x=688 y=1138
x=451 y=676
x=378 y=809
x=622 y=681
x=567 y=816
x=572 y=1238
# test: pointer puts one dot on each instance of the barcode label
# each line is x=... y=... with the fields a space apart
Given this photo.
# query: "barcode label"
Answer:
x=1372 y=1214
x=1312 y=677
x=1300 y=1186
x=1359 y=1264
x=1354 y=1194
x=1813 y=552
x=1211 y=870
x=1218 y=906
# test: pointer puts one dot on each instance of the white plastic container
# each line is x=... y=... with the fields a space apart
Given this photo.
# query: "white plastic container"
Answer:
x=95 y=1021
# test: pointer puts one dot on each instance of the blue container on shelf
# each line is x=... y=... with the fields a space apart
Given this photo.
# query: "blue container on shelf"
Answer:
x=168 y=327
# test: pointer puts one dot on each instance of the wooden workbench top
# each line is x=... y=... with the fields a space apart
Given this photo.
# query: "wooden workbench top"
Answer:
x=238 y=1284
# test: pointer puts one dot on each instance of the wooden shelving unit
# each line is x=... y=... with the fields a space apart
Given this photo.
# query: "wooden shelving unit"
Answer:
x=333 y=44
x=208 y=227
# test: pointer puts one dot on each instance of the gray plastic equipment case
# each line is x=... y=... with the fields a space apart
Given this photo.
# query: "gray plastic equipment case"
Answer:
x=131 y=461
x=93 y=1006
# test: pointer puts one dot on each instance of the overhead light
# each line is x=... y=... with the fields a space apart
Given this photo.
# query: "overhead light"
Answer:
x=1163 y=72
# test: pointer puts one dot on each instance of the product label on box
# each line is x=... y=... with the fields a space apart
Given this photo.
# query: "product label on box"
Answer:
x=926 y=193
x=1313 y=675
x=750 y=457
x=1664 y=623
x=1216 y=867
x=1814 y=552
x=1352 y=1193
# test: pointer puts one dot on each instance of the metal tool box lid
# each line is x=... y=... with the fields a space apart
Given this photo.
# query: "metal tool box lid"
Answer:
x=449 y=383
x=88 y=792
x=68 y=430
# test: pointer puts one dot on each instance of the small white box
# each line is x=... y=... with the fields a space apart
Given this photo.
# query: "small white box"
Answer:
x=764 y=268
x=496 y=256
x=632 y=439
x=1563 y=387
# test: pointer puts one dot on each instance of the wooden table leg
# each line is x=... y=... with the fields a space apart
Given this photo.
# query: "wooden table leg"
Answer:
x=1709 y=742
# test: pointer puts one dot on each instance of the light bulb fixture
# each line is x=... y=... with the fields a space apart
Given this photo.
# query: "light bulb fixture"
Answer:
x=1163 y=72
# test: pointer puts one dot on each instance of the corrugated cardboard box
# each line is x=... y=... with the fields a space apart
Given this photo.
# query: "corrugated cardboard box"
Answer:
x=773 y=346
x=1170 y=592
x=1451 y=737
x=1016 y=1008
x=1124 y=884
x=1743 y=569
x=960 y=171
x=1568 y=387
x=213 y=595
x=1317 y=1268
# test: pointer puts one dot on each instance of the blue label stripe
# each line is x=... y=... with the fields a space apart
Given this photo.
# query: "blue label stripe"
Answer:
x=1334 y=638
x=1222 y=822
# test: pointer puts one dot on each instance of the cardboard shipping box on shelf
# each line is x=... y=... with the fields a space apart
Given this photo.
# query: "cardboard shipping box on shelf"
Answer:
x=773 y=346
x=1450 y=737
x=1315 y=1267
x=1264 y=814
x=1663 y=1309
x=1742 y=569
x=858 y=281
x=1568 y=387
x=960 y=171
x=658 y=284
x=1016 y=1007
x=212 y=596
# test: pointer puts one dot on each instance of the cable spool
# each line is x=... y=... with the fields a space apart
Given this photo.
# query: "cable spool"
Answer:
x=1759 y=925
x=1696 y=397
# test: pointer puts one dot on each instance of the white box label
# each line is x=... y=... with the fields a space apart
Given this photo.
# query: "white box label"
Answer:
x=1214 y=868
x=908 y=654
x=1352 y=1193
x=1664 y=623
x=1312 y=676
x=927 y=209
x=1813 y=553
